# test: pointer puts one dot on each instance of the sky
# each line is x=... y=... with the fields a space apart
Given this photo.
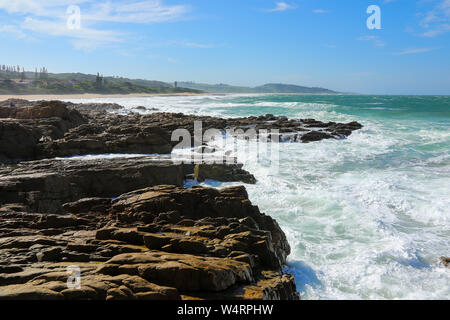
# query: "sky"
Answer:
x=325 y=43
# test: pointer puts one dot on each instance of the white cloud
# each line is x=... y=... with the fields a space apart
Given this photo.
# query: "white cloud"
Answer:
x=199 y=45
x=147 y=11
x=362 y=74
x=437 y=20
x=374 y=39
x=281 y=6
x=136 y=12
x=162 y=58
x=49 y=17
x=437 y=30
x=14 y=31
x=320 y=11
x=186 y=44
x=414 y=51
x=83 y=38
x=366 y=38
x=41 y=8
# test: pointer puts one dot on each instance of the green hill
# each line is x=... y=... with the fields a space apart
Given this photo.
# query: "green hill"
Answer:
x=267 y=88
x=215 y=88
x=289 y=88
x=117 y=80
x=13 y=81
x=79 y=83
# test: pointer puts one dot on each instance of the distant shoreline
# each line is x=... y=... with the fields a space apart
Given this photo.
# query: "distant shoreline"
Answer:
x=92 y=96
x=4 y=97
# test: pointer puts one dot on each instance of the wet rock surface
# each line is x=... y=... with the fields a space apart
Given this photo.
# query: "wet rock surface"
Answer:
x=47 y=185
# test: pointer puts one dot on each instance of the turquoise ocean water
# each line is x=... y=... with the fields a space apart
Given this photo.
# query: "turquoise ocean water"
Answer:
x=367 y=217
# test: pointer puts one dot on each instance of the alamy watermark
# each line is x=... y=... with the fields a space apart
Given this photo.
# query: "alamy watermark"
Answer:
x=74 y=18
x=74 y=279
x=250 y=144
x=374 y=20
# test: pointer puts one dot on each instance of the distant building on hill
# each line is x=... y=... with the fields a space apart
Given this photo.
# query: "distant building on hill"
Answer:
x=73 y=82
x=23 y=82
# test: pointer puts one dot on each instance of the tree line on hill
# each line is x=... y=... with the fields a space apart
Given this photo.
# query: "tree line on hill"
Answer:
x=16 y=80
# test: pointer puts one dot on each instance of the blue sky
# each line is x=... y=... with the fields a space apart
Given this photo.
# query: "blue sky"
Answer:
x=243 y=42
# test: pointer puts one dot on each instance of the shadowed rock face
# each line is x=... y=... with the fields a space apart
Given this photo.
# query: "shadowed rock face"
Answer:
x=45 y=185
x=445 y=261
x=23 y=128
x=17 y=141
x=217 y=172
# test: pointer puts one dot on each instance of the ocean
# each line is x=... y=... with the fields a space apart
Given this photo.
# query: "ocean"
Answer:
x=367 y=217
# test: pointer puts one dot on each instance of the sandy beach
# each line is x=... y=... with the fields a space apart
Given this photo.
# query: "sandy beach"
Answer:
x=90 y=96
x=140 y=95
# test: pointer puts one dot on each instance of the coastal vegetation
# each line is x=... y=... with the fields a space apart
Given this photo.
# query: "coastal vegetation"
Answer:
x=15 y=80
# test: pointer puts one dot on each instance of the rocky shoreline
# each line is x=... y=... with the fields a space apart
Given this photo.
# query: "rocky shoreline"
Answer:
x=128 y=223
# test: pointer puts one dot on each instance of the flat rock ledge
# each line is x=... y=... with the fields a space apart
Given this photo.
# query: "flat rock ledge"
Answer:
x=45 y=185
x=161 y=242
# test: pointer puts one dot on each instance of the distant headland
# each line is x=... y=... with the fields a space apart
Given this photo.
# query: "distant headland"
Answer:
x=15 y=80
x=266 y=88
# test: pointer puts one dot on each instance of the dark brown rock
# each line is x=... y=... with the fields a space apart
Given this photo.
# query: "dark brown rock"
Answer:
x=198 y=203
x=93 y=287
x=206 y=243
x=97 y=205
x=17 y=141
x=315 y=136
x=220 y=172
x=156 y=241
x=182 y=271
x=46 y=185
x=59 y=129
x=24 y=127
x=28 y=292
